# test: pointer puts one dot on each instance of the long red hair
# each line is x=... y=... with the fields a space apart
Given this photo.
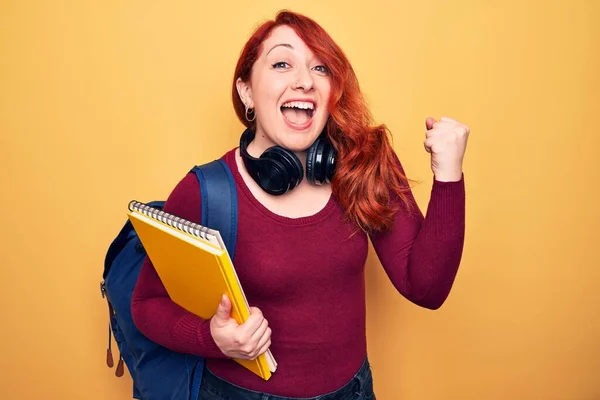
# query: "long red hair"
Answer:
x=367 y=171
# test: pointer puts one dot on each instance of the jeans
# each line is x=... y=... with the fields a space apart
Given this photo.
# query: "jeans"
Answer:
x=360 y=387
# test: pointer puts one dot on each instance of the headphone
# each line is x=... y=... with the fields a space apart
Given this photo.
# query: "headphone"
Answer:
x=278 y=170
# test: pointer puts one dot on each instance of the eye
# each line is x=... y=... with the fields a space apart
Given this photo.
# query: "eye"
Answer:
x=280 y=64
x=322 y=68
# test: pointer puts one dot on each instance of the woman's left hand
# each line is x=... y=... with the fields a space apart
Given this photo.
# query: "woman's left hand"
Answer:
x=446 y=140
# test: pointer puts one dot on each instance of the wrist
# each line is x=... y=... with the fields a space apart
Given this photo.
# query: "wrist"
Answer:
x=449 y=176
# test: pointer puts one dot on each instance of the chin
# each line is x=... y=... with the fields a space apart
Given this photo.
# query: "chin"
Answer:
x=299 y=138
x=298 y=141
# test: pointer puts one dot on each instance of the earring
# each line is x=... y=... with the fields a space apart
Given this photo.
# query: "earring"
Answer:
x=252 y=112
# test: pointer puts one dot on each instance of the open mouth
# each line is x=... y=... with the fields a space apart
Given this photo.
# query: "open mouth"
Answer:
x=298 y=112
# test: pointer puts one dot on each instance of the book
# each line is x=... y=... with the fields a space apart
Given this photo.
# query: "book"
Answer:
x=195 y=268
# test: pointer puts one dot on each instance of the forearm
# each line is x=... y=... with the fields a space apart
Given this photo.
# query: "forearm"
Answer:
x=166 y=323
x=437 y=251
x=421 y=255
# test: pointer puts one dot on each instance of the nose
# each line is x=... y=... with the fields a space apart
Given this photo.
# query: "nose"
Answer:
x=303 y=80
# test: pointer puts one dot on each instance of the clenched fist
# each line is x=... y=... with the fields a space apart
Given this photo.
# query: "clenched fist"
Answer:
x=246 y=341
x=446 y=140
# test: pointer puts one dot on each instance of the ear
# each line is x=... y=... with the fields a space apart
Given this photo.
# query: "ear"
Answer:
x=245 y=92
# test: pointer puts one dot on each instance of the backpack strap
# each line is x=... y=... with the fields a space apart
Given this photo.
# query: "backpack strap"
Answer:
x=219 y=211
x=219 y=201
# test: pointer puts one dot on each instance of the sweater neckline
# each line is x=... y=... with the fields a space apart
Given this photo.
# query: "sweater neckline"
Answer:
x=230 y=158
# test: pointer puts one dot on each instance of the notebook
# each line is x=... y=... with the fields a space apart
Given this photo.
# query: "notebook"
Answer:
x=195 y=268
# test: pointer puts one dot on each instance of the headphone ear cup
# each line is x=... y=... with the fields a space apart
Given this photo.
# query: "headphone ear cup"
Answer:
x=271 y=175
x=311 y=155
x=330 y=164
x=289 y=163
x=316 y=161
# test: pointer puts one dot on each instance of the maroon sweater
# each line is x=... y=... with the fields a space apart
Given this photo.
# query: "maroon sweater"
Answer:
x=307 y=277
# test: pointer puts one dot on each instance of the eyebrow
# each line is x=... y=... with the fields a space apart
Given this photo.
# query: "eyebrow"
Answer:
x=289 y=46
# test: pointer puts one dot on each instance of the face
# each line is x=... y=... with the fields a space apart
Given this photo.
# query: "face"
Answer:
x=289 y=91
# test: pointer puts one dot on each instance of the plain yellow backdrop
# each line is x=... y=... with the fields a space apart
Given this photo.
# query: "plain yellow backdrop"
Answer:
x=104 y=102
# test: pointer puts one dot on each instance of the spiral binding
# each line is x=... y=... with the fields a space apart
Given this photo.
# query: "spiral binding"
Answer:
x=172 y=220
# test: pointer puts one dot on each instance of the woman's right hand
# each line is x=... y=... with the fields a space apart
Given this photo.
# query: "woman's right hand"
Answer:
x=246 y=341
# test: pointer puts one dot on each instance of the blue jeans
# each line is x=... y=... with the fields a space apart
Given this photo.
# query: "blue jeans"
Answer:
x=360 y=387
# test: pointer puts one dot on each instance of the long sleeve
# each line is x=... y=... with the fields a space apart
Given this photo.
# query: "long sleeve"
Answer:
x=421 y=255
x=153 y=311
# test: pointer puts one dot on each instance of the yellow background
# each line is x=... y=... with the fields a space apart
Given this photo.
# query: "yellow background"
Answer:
x=102 y=102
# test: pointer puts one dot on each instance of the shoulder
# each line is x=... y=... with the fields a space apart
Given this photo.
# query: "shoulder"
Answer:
x=184 y=200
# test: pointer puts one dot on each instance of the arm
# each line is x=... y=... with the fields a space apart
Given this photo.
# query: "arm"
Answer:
x=421 y=255
x=153 y=311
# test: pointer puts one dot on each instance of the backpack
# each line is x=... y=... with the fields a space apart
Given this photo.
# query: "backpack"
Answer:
x=157 y=372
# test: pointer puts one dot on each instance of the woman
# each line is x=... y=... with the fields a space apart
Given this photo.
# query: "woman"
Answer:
x=301 y=247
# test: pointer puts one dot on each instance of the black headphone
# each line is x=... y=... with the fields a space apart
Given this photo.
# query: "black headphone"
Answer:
x=279 y=170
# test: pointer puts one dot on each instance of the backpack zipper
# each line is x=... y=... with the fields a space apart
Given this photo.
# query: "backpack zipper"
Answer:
x=109 y=357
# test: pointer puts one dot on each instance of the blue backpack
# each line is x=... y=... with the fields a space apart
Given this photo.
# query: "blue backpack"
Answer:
x=157 y=372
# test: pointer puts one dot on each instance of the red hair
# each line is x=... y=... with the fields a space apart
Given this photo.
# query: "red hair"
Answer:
x=367 y=171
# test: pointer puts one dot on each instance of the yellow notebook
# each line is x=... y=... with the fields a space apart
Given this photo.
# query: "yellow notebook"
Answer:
x=195 y=269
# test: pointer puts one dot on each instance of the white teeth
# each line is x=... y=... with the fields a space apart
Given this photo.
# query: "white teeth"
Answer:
x=299 y=104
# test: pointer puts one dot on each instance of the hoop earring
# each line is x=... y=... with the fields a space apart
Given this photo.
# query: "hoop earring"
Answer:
x=253 y=115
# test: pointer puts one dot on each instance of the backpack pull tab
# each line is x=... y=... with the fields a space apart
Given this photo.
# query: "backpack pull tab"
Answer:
x=120 y=369
x=109 y=357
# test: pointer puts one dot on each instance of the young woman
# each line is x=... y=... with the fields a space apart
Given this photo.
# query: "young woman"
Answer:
x=328 y=181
